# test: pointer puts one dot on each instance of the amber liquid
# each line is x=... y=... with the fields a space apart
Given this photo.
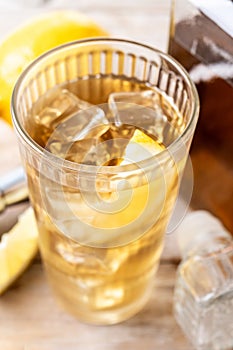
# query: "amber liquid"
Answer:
x=103 y=285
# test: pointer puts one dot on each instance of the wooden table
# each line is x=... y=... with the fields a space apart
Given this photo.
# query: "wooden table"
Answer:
x=29 y=317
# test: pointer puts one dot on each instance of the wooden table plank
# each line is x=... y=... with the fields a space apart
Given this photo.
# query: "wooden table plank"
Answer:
x=30 y=319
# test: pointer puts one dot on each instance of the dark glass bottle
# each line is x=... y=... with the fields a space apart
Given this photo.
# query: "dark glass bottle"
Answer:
x=206 y=51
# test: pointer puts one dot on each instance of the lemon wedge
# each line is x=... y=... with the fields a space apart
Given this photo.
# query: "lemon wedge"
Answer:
x=17 y=248
x=39 y=35
x=140 y=147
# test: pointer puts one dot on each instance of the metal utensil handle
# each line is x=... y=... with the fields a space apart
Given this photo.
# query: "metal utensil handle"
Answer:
x=13 y=188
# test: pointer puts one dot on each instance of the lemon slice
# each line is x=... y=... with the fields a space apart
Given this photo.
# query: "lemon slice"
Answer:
x=140 y=147
x=17 y=248
x=39 y=35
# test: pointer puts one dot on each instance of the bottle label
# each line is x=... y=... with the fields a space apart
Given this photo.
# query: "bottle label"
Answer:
x=219 y=11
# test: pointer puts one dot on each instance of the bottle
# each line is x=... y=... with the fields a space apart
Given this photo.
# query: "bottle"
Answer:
x=203 y=297
x=201 y=39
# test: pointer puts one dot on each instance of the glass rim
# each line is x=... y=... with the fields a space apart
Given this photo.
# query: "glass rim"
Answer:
x=160 y=157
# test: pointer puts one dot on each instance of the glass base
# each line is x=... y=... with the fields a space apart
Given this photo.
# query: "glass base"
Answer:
x=100 y=305
x=104 y=318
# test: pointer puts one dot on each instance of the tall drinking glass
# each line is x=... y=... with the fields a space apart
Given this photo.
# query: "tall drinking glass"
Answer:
x=102 y=218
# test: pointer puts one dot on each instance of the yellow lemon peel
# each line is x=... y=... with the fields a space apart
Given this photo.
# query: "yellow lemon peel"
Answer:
x=17 y=249
x=33 y=39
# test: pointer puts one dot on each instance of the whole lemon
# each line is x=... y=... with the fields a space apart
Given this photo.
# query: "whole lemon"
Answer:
x=34 y=38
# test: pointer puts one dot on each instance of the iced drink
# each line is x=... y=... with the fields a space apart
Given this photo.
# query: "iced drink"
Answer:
x=105 y=183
